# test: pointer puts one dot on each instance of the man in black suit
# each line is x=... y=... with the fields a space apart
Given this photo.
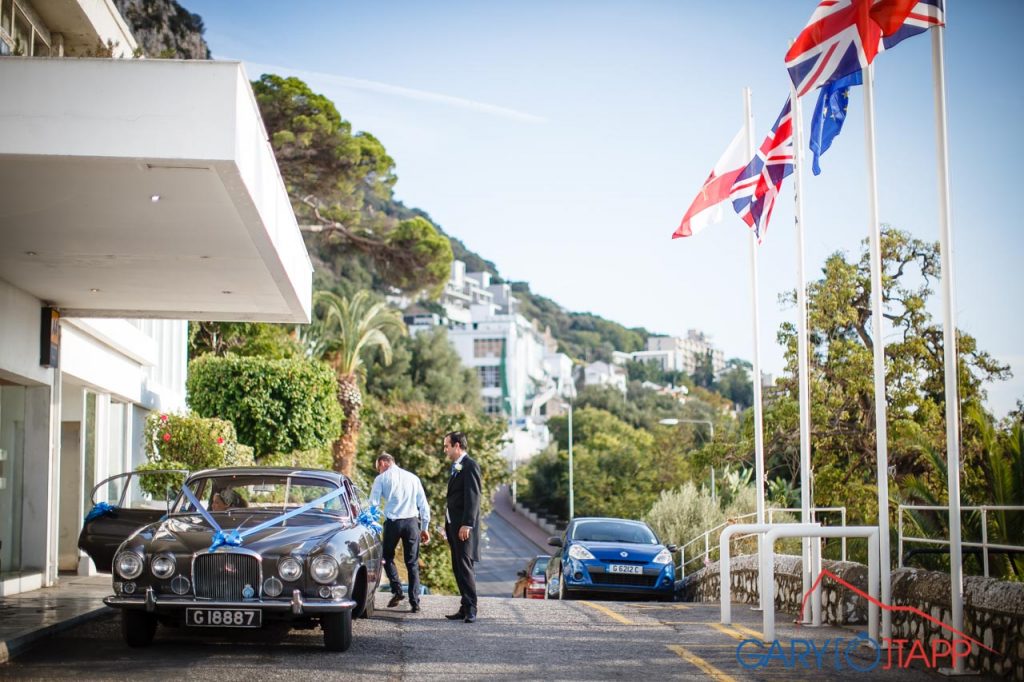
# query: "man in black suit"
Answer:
x=462 y=521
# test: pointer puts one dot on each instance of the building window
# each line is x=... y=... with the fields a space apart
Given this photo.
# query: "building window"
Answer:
x=487 y=348
x=490 y=376
x=492 y=405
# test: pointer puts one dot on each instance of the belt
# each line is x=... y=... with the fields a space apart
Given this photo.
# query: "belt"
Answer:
x=407 y=518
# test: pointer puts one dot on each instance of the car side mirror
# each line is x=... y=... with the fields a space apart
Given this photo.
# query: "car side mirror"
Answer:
x=555 y=541
x=521 y=573
x=672 y=548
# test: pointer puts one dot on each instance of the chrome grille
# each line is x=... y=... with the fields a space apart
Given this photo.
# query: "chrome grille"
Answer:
x=223 y=576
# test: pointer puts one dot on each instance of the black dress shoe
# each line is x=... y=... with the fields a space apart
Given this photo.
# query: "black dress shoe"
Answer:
x=456 y=616
x=394 y=600
x=470 y=618
x=415 y=608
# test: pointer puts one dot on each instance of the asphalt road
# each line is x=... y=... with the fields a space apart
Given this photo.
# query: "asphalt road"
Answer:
x=514 y=639
x=505 y=551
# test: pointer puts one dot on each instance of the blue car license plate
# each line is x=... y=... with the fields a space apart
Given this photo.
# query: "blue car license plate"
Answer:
x=223 y=618
x=625 y=568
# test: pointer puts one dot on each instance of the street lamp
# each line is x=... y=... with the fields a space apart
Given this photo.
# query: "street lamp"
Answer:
x=572 y=506
x=674 y=422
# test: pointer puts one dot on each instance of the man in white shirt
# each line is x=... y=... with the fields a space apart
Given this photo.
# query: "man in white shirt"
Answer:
x=406 y=518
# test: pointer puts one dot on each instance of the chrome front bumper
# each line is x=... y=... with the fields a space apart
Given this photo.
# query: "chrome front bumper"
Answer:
x=297 y=606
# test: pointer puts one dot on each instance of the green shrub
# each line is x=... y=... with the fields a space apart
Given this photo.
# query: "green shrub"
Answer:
x=277 y=406
x=189 y=442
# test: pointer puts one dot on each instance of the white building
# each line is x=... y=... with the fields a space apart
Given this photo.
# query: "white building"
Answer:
x=604 y=374
x=681 y=354
x=129 y=189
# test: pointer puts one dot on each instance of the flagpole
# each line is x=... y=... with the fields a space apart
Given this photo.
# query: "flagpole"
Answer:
x=758 y=412
x=803 y=375
x=878 y=346
x=949 y=360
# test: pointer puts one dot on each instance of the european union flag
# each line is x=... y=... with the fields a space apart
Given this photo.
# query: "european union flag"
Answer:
x=830 y=113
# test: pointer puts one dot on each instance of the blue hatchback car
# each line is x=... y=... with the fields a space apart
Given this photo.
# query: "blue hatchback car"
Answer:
x=611 y=556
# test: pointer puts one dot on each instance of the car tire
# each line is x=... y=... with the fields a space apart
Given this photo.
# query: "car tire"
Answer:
x=563 y=593
x=137 y=628
x=337 y=629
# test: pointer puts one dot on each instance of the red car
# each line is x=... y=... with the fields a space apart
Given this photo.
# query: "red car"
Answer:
x=530 y=583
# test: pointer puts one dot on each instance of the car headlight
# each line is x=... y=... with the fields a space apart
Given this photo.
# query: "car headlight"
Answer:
x=580 y=553
x=324 y=569
x=162 y=566
x=289 y=569
x=664 y=557
x=128 y=565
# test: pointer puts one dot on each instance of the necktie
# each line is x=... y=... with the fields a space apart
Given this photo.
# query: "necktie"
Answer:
x=453 y=470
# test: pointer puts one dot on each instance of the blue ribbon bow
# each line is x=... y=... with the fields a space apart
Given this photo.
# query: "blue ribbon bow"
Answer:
x=368 y=518
x=101 y=509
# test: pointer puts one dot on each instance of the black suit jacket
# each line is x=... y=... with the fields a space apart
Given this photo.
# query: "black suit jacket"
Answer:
x=464 y=505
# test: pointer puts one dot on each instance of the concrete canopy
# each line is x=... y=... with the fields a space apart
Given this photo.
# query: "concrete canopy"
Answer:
x=145 y=188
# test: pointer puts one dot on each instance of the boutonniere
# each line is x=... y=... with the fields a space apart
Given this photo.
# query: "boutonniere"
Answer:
x=458 y=467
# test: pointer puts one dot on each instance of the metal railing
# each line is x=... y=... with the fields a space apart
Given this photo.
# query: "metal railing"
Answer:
x=705 y=537
x=984 y=547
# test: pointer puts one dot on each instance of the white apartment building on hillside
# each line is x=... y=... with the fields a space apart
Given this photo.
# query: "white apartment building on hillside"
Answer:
x=135 y=194
x=680 y=354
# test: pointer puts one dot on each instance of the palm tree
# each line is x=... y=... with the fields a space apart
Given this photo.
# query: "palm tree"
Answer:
x=341 y=331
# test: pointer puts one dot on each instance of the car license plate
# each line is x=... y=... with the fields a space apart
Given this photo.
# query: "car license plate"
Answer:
x=223 y=618
x=624 y=568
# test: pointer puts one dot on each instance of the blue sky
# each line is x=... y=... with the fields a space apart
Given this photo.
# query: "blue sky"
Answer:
x=564 y=141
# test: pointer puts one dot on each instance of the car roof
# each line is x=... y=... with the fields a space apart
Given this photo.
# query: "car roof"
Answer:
x=608 y=518
x=332 y=476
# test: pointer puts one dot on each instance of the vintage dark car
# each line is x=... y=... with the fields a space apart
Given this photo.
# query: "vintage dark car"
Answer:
x=610 y=556
x=238 y=548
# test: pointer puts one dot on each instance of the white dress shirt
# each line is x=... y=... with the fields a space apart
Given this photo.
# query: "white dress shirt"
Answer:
x=403 y=495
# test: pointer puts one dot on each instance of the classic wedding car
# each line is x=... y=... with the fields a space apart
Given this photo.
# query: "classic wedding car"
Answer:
x=237 y=548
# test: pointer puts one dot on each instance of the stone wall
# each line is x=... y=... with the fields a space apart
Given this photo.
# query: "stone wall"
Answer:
x=993 y=609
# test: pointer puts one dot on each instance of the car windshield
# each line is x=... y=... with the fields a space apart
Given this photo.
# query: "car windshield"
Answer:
x=540 y=565
x=255 y=492
x=614 y=531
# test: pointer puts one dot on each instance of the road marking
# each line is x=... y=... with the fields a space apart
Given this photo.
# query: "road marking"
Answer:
x=726 y=630
x=690 y=657
x=608 y=612
x=759 y=636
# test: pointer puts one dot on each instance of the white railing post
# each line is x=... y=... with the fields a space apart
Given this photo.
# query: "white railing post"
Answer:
x=899 y=541
x=707 y=547
x=682 y=562
x=725 y=566
x=984 y=539
x=808 y=530
x=843 y=541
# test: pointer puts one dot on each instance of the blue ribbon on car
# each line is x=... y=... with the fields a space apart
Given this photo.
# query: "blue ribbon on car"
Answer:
x=234 y=538
x=368 y=517
x=100 y=509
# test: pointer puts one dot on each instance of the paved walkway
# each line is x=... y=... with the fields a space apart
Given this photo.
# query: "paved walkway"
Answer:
x=29 y=616
x=503 y=508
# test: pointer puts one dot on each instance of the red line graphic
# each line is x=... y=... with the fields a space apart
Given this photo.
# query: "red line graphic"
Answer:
x=887 y=607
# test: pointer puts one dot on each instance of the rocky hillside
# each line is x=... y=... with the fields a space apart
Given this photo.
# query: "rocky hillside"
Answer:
x=164 y=29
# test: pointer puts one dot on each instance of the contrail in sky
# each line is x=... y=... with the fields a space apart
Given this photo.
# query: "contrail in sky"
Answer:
x=398 y=91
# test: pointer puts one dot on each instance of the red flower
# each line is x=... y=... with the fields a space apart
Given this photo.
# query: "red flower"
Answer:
x=163 y=417
x=167 y=437
x=220 y=441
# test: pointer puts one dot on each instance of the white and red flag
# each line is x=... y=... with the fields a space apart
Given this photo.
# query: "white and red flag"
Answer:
x=708 y=207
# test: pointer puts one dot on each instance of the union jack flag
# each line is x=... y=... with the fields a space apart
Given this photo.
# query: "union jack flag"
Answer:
x=844 y=36
x=754 y=191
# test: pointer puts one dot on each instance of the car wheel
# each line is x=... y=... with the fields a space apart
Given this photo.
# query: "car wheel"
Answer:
x=137 y=627
x=562 y=592
x=337 y=629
